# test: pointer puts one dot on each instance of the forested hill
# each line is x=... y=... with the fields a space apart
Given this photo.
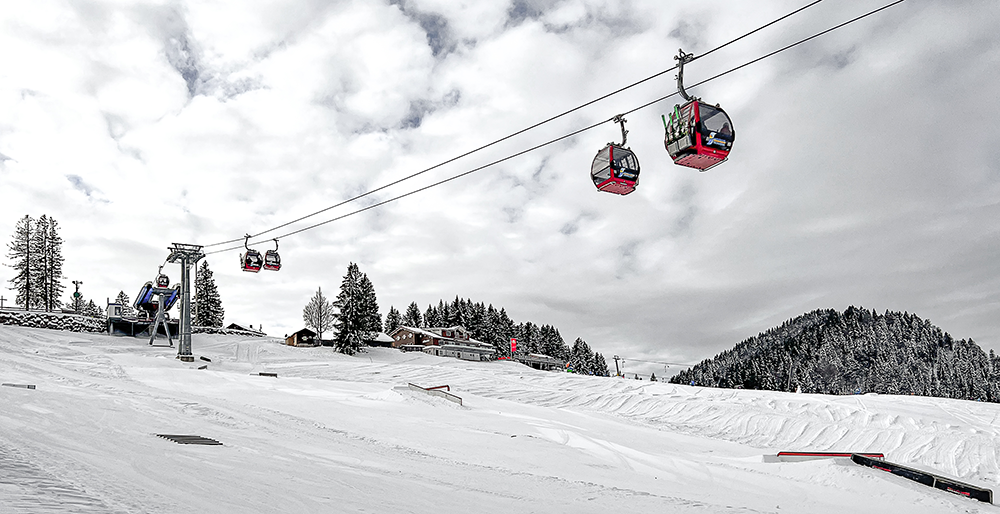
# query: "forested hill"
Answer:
x=858 y=350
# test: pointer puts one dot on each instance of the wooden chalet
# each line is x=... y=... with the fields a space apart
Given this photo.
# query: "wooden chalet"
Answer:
x=304 y=337
x=442 y=341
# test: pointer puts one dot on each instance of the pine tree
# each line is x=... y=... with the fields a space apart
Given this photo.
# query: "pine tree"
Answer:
x=318 y=314
x=350 y=321
x=208 y=311
x=432 y=318
x=412 y=318
x=600 y=366
x=444 y=314
x=371 y=322
x=89 y=308
x=392 y=320
x=22 y=253
x=507 y=329
x=456 y=316
x=123 y=300
x=581 y=358
x=47 y=247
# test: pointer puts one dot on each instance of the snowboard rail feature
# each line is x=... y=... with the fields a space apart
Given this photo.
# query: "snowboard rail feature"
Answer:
x=437 y=391
x=928 y=479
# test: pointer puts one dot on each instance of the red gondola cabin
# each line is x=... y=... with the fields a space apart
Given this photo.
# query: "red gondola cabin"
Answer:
x=251 y=261
x=699 y=135
x=615 y=170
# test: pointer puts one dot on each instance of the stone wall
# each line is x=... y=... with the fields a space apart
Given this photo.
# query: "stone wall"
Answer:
x=53 y=321
x=226 y=332
x=79 y=323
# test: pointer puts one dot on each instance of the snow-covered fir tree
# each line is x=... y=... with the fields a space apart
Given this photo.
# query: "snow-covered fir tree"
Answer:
x=21 y=252
x=393 y=320
x=47 y=246
x=412 y=318
x=456 y=314
x=123 y=300
x=581 y=357
x=371 y=323
x=432 y=317
x=318 y=314
x=601 y=366
x=351 y=321
x=208 y=311
x=89 y=308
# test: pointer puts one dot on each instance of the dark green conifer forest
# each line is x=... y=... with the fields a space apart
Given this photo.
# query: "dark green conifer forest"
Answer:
x=855 y=351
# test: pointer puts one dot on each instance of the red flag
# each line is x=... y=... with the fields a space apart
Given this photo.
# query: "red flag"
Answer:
x=513 y=344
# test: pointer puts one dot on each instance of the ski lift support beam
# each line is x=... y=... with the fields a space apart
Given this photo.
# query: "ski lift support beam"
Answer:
x=187 y=256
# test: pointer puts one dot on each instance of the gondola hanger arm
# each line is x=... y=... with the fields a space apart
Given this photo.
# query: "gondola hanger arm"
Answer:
x=620 y=118
x=682 y=59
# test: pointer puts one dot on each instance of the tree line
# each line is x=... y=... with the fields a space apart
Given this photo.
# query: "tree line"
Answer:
x=856 y=351
x=493 y=326
x=354 y=319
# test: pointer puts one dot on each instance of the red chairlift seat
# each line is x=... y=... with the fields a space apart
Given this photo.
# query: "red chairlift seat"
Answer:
x=615 y=169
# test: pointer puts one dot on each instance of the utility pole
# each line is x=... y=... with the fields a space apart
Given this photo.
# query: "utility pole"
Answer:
x=187 y=256
x=76 y=296
x=617 y=358
x=2 y=299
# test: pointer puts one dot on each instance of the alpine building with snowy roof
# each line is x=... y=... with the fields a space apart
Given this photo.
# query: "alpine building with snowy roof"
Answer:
x=442 y=341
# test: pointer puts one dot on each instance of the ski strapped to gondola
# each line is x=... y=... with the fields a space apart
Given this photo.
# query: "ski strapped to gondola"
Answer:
x=928 y=479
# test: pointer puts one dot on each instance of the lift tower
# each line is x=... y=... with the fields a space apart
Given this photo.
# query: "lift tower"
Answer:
x=187 y=256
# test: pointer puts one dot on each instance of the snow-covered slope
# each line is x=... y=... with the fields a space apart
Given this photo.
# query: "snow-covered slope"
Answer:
x=339 y=434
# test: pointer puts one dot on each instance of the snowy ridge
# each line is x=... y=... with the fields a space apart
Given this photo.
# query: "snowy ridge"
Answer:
x=337 y=433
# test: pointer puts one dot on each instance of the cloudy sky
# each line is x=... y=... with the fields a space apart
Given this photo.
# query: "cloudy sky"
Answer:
x=866 y=169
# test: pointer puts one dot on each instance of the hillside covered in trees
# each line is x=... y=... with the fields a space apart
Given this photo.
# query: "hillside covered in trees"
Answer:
x=856 y=351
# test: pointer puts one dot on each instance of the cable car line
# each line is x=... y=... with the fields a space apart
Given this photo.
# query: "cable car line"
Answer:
x=438 y=183
x=761 y=58
x=658 y=362
x=550 y=142
x=519 y=132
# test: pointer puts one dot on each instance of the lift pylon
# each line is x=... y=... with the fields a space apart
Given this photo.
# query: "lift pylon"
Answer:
x=187 y=256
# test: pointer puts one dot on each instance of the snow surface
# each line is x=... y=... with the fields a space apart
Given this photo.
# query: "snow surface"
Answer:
x=335 y=433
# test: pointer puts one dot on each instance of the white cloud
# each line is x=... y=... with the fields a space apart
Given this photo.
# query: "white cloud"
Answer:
x=865 y=170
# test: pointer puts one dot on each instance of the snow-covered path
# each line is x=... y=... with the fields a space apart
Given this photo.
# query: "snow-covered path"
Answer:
x=339 y=434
